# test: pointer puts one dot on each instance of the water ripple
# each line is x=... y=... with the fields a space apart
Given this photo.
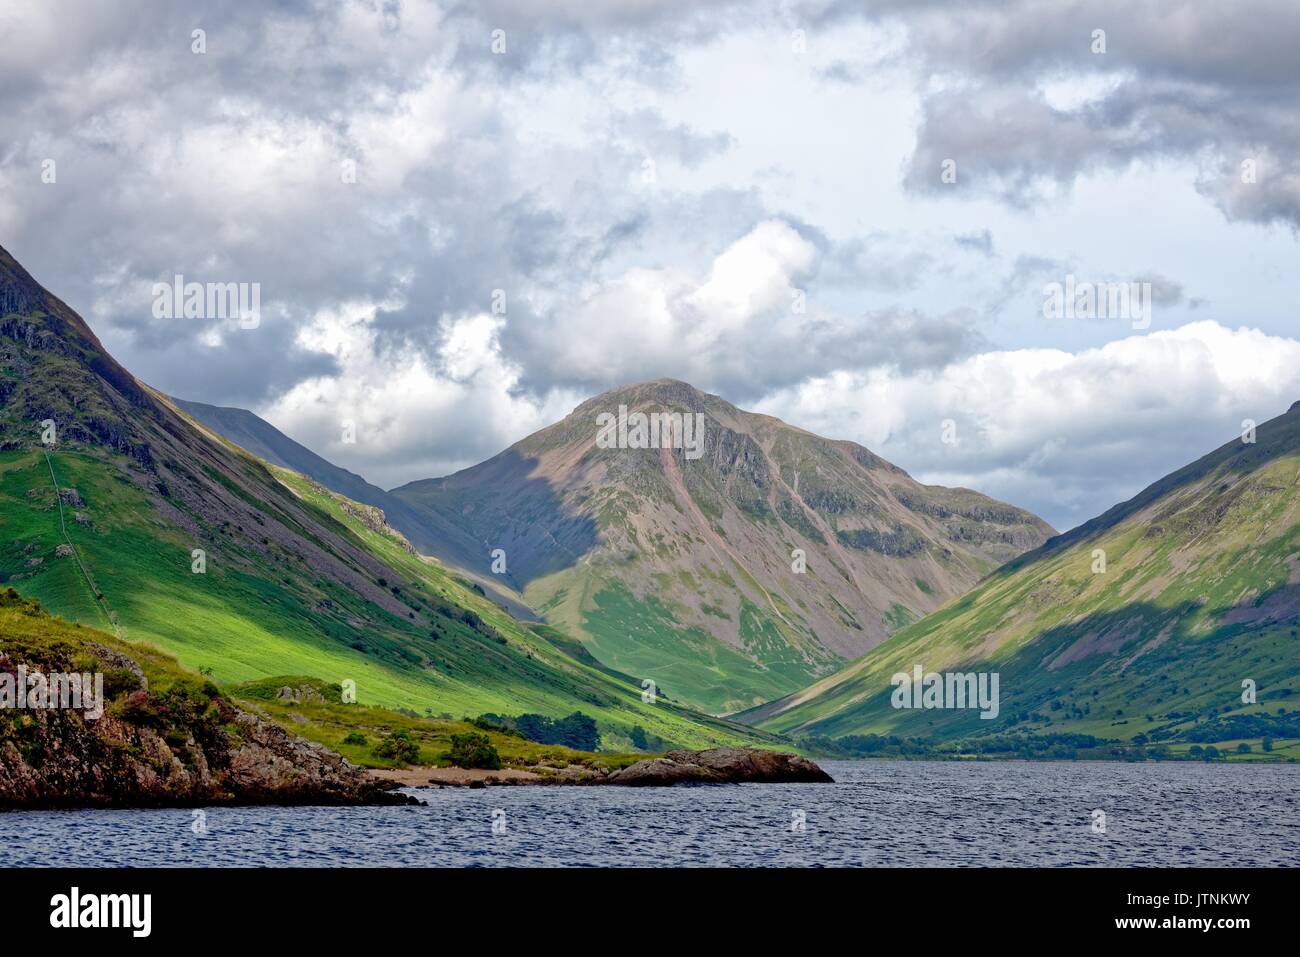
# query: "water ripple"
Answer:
x=879 y=813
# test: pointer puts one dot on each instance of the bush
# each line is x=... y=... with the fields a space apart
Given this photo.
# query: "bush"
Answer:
x=399 y=747
x=472 y=750
x=355 y=737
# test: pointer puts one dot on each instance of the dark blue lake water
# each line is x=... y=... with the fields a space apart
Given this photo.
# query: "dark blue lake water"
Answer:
x=878 y=814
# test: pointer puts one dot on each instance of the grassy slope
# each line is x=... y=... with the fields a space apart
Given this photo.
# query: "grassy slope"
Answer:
x=601 y=692
x=1200 y=593
x=31 y=635
x=254 y=620
x=331 y=723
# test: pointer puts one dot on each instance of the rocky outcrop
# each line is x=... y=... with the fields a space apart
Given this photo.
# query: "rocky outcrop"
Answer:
x=187 y=745
x=272 y=766
x=299 y=695
x=61 y=760
x=720 y=766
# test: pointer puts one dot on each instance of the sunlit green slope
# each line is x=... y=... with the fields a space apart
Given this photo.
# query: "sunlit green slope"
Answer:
x=1200 y=593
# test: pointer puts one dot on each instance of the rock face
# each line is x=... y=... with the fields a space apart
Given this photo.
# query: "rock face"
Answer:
x=185 y=745
x=720 y=766
x=62 y=760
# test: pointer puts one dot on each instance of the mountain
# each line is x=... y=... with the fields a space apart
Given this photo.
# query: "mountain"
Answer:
x=269 y=444
x=679 y=565
x=1200 y=592
x=254 y=434
x=136 y=519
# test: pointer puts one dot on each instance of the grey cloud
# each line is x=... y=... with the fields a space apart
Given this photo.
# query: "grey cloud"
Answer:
x=981 y=242
x=289 y=90
x=1200 y=77
x=1164 y=292
x=646 y=127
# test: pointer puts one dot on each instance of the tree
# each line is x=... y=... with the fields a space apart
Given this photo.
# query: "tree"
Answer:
x=578 y=731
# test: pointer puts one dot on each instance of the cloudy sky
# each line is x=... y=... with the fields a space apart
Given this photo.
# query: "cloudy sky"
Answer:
x=467 y=217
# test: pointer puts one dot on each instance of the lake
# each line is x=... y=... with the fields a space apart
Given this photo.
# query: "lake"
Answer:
x=878 y=813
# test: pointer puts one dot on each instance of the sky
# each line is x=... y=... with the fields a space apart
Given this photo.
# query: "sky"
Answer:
x=465 y=218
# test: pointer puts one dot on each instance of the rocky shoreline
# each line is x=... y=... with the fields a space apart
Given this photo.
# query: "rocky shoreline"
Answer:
x=111 y=763
x=712 y=766
x=160 y=737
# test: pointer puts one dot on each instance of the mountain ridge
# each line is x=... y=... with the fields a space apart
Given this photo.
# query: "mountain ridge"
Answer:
x=262 y=439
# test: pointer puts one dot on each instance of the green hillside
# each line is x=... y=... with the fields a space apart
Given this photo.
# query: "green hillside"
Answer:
x=1201 y=591
x=101 y=526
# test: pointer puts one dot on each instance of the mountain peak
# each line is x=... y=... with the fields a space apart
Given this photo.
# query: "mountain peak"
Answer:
x=664 y=390
x=46 y=315
x=67 y=376
x=767 y=551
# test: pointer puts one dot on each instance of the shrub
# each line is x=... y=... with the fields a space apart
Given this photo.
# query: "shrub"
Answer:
x=355 y=737
x=399 y=747
x=472 y=750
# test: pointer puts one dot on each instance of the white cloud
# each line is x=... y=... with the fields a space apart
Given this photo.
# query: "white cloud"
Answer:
x=776 y=171
x=414 y=417
x=1064 y=434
